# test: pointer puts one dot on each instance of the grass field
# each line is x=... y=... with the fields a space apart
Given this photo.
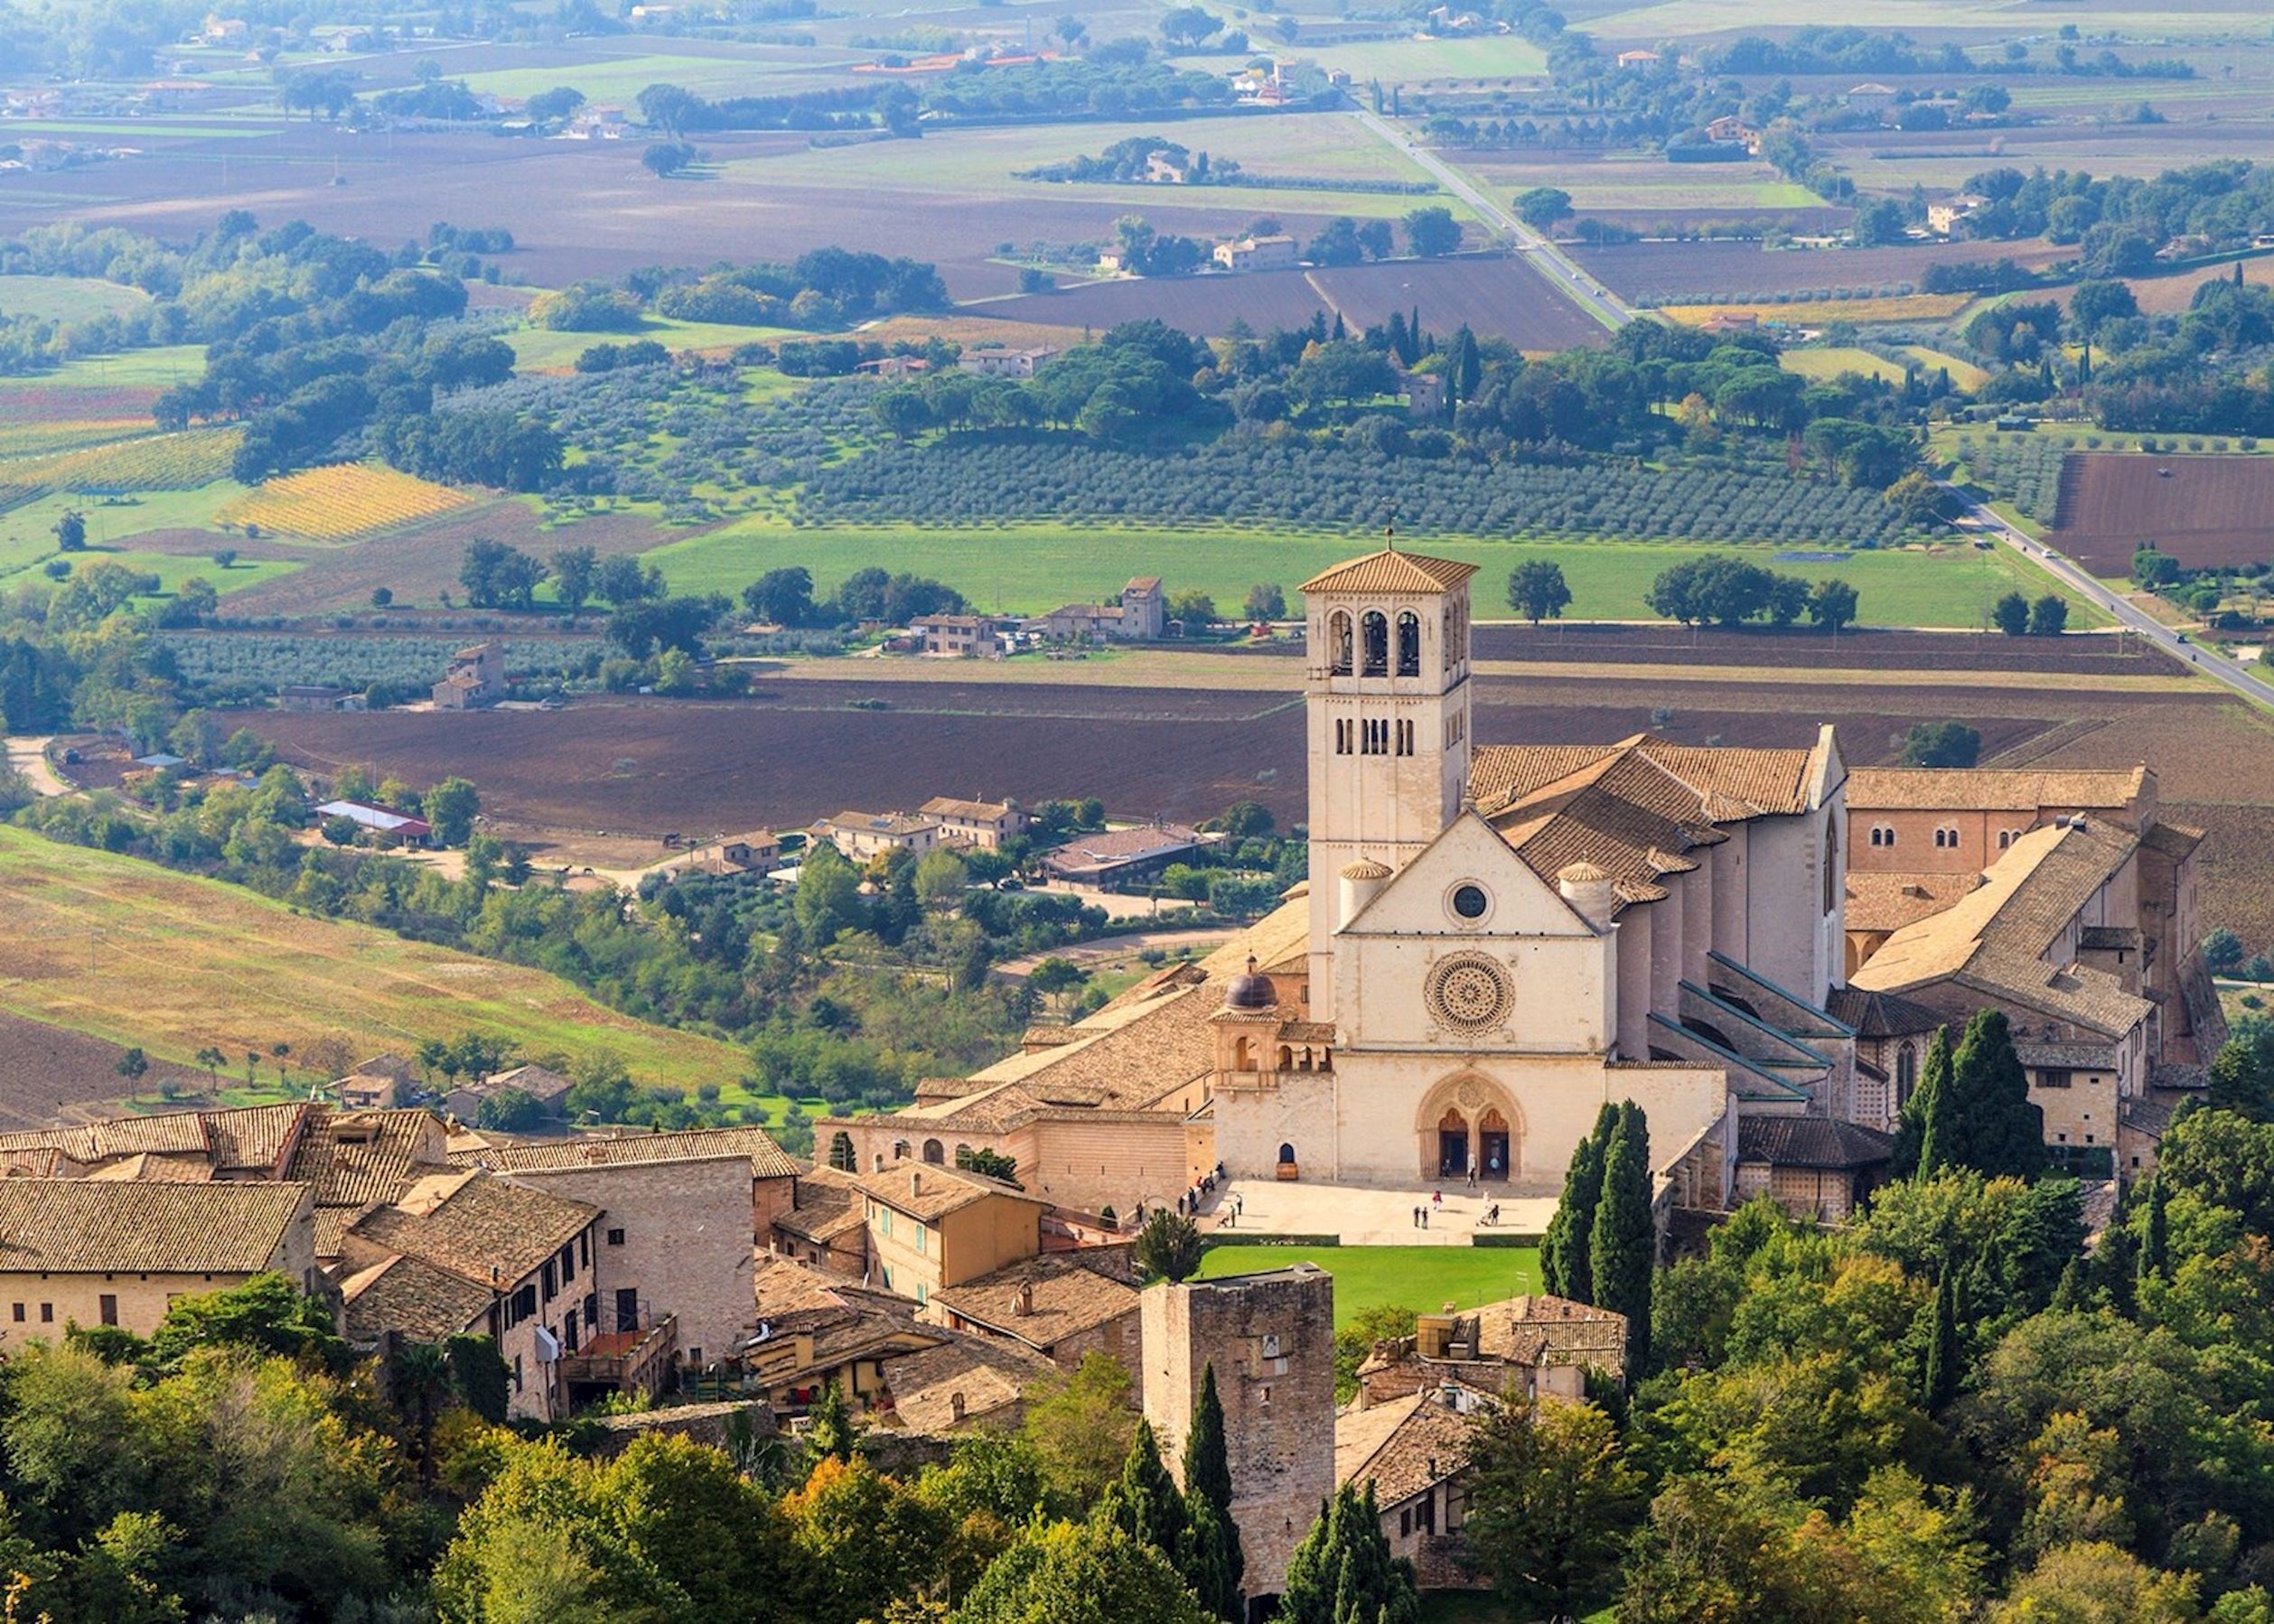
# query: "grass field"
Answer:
x=1965 y=374
x=1416 y=61
x=1819 y=312
x=157 y=368
x=27 y=534
x=541 y=349
x=1030 y=568
x=67 y=298
x=621 y=79
x=140 y=955
x=1828 y=361
x=1421 y=1278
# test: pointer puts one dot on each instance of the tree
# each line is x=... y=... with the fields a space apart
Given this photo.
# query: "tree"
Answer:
x=1915 y=498
x=1432 y=232
x=829 y=1431
x=1144 y=1502
x=1336 y=244
x=1080 y=1573
x=1623 y=1249
x=1551 y=1505
x=664 y=159
x=1939 y=1384
x=1996 y=1129
x=780 y=597
x=1211 y=1560
x=1193 y=607
x=2153 y=568
x=1187 y=25
x=940 y=878
x=1564 y=1250
x=1538 y=591
x=266 y=1314
x=133 y=1065
x=574 y=569
x=70 y=532
x=2049 y=616
x=1079 y=1427
x=498 y=576
x=451 y=808
x=2097 y=1584
x=1923 y=1130
x=1266 y=602
x=1543 y=207
x=2010 y=614
x=1168 y=1246
x=1344 y=1573
x=623 y=579
x=1376 y=239
x=1940 y=744
x=1832 y=605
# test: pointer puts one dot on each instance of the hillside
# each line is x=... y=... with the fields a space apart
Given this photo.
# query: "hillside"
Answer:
x=132 y=953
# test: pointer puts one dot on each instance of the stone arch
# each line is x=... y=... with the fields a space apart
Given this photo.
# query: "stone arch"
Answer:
x=1286 y=1058
x=934 y=1152
x=1243 y=1053
x=1373 y=636
x=1338 y=644
x=1408 y=643
x=1475 y=1098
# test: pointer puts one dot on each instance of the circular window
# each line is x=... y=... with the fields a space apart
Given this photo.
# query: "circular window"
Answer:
x=1470 y=901
x=1468 y=992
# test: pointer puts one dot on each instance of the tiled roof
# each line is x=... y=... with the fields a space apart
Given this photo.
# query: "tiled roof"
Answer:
x=1067 y=1299
x=540 y=1082
x=249 y=1139
x=1116 y=846
x=2173 y=840
x=927 y=1191
x=1811 y=1141
x=988 y=1377
x=768 y=1160
x=2068 y=1057
x=1879 y=1014
x=411 y=1297
x=1991 y=789
x=1390 y=571
x=353 y=1157
x=1538 y=1329
x=254 y=1137
x=466 y=1222
x=142 y=1167
x=82 y=1226
x=1889 y=902
x=877 y=823
x=1402 y=1447
x=944 y=806
x=824 y=1208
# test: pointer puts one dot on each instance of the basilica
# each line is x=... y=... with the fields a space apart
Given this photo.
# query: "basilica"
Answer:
x=1497 y=939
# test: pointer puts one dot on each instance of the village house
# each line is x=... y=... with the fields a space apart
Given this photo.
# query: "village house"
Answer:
x=547 y=1086
x=1060 y=1305
x=1413 y=1451
x=861 y=835
x=931 y=1227
x=825 y=1226
x=759 y=852
x=771 y=1173
x=96 y=1251
x=1141 y=615
x=1871 y=100
x=1119 y=859
x=384 y=827
x=1814 y=1168
x=1257 y=254
x=1538 y=1346
x=1944 y=217
x=475 y=678
x=992 y=362
x=817 y=1330
x=378 y=1084
x=983 y=824
x=961 y=636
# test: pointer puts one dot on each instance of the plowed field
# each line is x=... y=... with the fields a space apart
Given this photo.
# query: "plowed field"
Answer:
x=2204 y=512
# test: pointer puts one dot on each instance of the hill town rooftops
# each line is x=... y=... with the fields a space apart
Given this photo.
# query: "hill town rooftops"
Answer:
x=768 y=1160
x=81 y=1225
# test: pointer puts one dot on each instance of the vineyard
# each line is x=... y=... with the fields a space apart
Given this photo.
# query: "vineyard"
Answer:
x=45 y=439
x=1242 y=479
x=178 y=461
x=341 y=503
x=230 y=663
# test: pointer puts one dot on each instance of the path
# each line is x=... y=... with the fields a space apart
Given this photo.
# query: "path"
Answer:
x=28 y=756
x=1568 y=278
x=1106 y=948
x=2126 y=613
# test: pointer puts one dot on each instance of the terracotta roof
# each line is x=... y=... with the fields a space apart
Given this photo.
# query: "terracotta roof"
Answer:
x=354 y=1157
x=467 y=1222
x=411 y=1297
x=927 y=1191
x=1390 y=571
x=1365 y=868
x=944 y=806
x=1879 y=1014
x=1991 y=789
x=1538 y=1329
x=85 y=1226
x=1890 y=902
x=1089 y=854
x=824 y=1208
x=1811 y=1141
x=991 y=1378
x=142 y=1167
x=1403 y=1447
x=768 y=1160
x=540 y=1082
x=2173 y=840
x=244 y=1138
x=1067 y=1299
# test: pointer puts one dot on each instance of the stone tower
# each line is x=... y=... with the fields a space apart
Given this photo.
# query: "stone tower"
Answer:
x=1271 y=1338
x=1388 y=722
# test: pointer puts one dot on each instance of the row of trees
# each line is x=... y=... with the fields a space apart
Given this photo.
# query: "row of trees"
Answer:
x=1726 y=591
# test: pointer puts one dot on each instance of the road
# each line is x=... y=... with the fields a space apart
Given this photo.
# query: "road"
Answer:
x=28 y=756
x=2086 y=585
x=1569 y=279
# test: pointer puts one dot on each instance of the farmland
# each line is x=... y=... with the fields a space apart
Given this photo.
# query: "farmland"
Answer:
x=184 y=963
x=1817 y=313
x=48 y=1071
x=66 y=298
x=341 y=503
x=136 y=462
x=1827 y=363
x=1665 y=273
x=2206 y=511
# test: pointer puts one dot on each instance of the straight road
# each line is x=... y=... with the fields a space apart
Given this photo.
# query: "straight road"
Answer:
x=2242 y=679
x=1569 y=279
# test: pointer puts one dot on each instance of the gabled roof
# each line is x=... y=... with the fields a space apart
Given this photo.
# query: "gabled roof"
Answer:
x=411 y=1297
x=1066 y=1298
x=1390 y=571
x=1402 y=1446
x=353 y=1157
x=929 y=1191
x=470 y=1223
x=87 y=1226
x=1993 y=790
x=768 y=1160
x=1811 y=1141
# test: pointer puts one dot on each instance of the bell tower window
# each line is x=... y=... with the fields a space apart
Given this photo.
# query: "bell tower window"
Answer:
x=1374 y=634
x=1408 y=644
x=1338 y=641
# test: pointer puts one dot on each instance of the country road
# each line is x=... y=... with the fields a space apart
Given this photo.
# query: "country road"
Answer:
x=1569 y=279
x=28 y=756
x=2084 y=583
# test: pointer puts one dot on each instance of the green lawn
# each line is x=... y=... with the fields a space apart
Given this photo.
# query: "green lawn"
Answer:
x=27 y=534
x=1032 y=568
x=1421 y=1278
x=67 y=298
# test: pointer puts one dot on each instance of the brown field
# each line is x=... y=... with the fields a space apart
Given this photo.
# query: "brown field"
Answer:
x=2204 y=510
x=1673 y=272
x=28 y=402
x=46 y=1070
x=1499 y=297
x=2109 y=655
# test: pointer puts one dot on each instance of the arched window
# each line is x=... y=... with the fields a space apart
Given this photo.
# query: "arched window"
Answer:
x=1286 y=1058
x=1373 y=634
x=1832 y=864
x=1286 y=1156
x=1243 y=1055
x=2005 y=838
x=934 y=1152
x=1881 y=834
x=1408 y=644
x=841 y=1151
x=963 y=1156
x=900 y=1150
x=1338 y=644
x=1906 y=1073
x=880 y=1162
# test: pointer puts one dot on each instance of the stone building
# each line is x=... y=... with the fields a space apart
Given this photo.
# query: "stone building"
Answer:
x=1063 y=1306
x=931 y=1227
x=772 y=1173
x=1414 y=1451
x=1270 y=1337
x=474 y=677
x=983 y=824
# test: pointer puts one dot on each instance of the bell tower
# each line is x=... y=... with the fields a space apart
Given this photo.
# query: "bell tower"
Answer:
x=1388 y=703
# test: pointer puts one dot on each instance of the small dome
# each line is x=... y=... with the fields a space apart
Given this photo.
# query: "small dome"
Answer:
x=1365 y=868
x=1581 y=872
x=1250 y=991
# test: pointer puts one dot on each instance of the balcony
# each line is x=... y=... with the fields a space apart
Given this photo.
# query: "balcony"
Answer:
x=637 y=1360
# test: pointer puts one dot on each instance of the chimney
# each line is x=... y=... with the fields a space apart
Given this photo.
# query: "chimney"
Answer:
x=955 y=1407
x=1589 y=891
x=1024 y=1304
x=915 y=1181
x=1361 y=882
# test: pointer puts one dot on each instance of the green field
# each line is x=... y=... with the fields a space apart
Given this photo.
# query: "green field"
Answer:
x=541 y=349
x=1415 y=60
x=619 y=80
x=1030 y=568
x=157 y=368
x=67 y=298
x=1823 y=363
x=137 y=954
x=1421 y=1278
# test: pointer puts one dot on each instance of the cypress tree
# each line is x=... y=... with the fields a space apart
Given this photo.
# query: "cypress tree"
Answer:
x=1937 y=1130
x=2072 y=1295
x=1142 y=1502
x=1995 y=1128
x=1344 y=1573
x=1210 y=1557
x=1941 y=1385
x=2154 y=1253
x=1563 y=1250
x=1623 y=1249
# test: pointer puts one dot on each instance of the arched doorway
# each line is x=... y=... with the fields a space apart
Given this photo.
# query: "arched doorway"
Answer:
x=1453 y=1144
x=1493 y=1144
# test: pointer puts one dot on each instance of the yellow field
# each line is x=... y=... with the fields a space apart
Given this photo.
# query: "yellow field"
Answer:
x=341 y=502
x=176 y=461
x=1821 y=312
x=1824 y=363
x=1965 y=374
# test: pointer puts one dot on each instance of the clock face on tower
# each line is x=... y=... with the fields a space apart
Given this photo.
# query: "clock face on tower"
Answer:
x=1468 y=992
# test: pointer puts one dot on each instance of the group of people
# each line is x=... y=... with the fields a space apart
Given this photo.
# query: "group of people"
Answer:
x=1437 y=1203
x=1188 y=1205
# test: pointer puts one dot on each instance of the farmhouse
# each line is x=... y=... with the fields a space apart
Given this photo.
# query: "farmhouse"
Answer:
x=1538 y=1346
x=548 y=1088
x=317 y=696
x=1872 y=100
x=992 y=362
x=983 y=824
x=755 y=852
x=1120 y=858
x=1944 y=218
x=475 y=678
x=1140 y=616
x=1257 y=254
x=961 y=636
x=389 y=828
x=378 y=1084
x=861 y=835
